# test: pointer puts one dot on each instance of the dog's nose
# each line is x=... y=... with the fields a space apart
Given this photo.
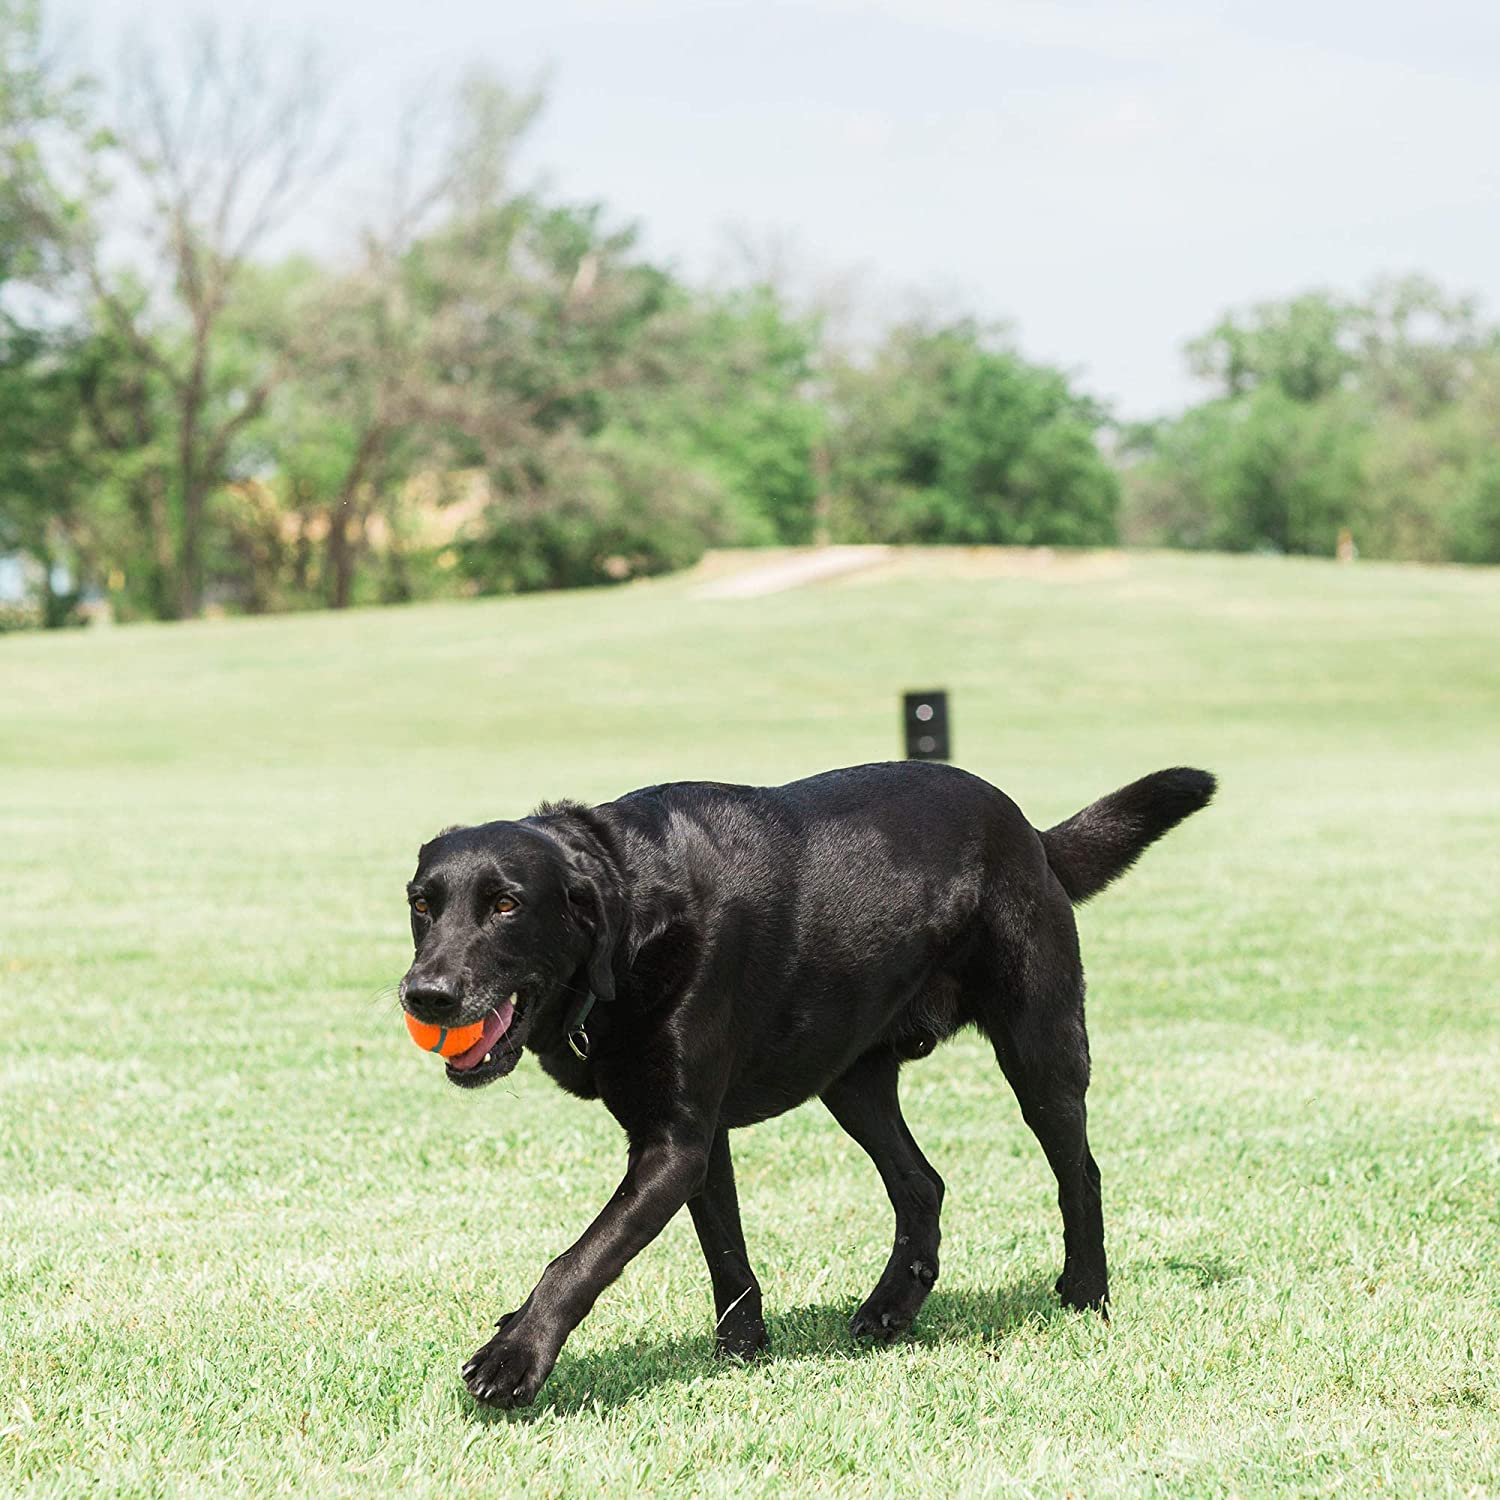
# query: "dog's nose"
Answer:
x=431 y=998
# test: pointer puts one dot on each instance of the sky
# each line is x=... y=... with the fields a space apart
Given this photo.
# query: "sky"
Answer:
x=1108 y=178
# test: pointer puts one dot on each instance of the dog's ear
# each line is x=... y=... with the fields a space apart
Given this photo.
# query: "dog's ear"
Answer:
x=598 y=908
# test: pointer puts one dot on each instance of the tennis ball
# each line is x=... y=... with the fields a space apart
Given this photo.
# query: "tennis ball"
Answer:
x=446 y=1041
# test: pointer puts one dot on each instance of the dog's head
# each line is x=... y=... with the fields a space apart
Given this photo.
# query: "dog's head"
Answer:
x=511 y=928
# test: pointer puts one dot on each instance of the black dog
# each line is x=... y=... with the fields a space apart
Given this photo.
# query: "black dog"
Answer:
x=749 y=947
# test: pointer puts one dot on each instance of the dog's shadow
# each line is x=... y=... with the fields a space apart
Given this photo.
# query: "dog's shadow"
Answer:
x=599 y=1381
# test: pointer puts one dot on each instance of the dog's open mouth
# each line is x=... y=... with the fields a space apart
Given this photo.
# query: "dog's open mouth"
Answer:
x=496 y=1052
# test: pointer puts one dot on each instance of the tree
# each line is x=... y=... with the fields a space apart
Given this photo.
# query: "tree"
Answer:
x=1377 y=413
x=949 y=436
x=218 y=143
x=728 y=394
x=1260 y=473
x=597 y=510
x=40 y=485
x=1419 y=349
x=607 y=454
x=1431 y=473
x=1303 y=348
x=482 y=331
x=27 y=100
x=41 y=358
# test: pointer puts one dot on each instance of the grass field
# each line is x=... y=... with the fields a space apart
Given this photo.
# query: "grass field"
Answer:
x=248 y=1234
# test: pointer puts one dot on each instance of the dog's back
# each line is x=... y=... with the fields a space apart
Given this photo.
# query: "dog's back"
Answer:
x=896 y=902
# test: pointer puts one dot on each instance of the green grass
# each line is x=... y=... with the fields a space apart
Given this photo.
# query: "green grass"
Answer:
x=248 y=1234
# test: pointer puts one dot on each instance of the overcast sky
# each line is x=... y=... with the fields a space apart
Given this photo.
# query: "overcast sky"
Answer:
x=1106 y=176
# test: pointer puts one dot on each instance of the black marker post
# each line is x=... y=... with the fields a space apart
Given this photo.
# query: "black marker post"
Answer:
x=924 y=720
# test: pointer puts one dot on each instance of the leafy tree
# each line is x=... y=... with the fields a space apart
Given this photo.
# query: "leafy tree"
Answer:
x=727 y=394
x=1379 y=414
x=596 y=510
x=482 y=331
x=1260 y=473
x=41 y=359
x=1431 y=474
x=1420 y=349
x=1474 y=515
x=946 y=437
x=39 y=483
x=1303 y=348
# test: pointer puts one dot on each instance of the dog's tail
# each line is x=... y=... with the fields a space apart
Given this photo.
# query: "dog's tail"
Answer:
x=1100 y=843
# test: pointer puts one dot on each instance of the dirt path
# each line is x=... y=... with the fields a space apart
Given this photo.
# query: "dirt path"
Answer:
x=791 y=572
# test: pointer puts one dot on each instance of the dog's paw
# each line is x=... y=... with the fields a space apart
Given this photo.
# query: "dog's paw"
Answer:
x=1084 y=1293
x=893 y=1306
x=740 y=1332
x=510 y=1369
x=879 y=1322
x=741 y=1342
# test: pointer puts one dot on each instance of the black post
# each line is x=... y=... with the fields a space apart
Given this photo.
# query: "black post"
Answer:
x=924 y=721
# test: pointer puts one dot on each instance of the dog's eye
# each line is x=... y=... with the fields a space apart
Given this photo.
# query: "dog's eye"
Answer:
x=505 y=905
x=419 y=905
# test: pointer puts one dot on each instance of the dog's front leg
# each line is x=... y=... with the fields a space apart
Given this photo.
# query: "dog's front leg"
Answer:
x=660 y=1178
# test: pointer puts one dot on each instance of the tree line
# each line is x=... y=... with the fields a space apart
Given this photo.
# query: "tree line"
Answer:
x=490 y=389
x=1377 y=416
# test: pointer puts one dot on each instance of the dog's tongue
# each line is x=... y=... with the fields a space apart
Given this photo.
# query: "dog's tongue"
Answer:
x=495 y=1027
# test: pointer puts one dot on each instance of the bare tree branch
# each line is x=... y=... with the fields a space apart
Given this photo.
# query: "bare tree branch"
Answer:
x=220 y=140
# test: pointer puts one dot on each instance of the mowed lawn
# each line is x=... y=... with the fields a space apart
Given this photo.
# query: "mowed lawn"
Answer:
x=248 y=1233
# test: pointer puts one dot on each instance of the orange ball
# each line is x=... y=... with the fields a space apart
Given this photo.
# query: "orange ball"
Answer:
x=446 y=1041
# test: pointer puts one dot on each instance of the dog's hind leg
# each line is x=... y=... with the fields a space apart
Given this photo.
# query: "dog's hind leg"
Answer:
x=1043 y=1050
x=864 y=1101
x=740 y=1328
